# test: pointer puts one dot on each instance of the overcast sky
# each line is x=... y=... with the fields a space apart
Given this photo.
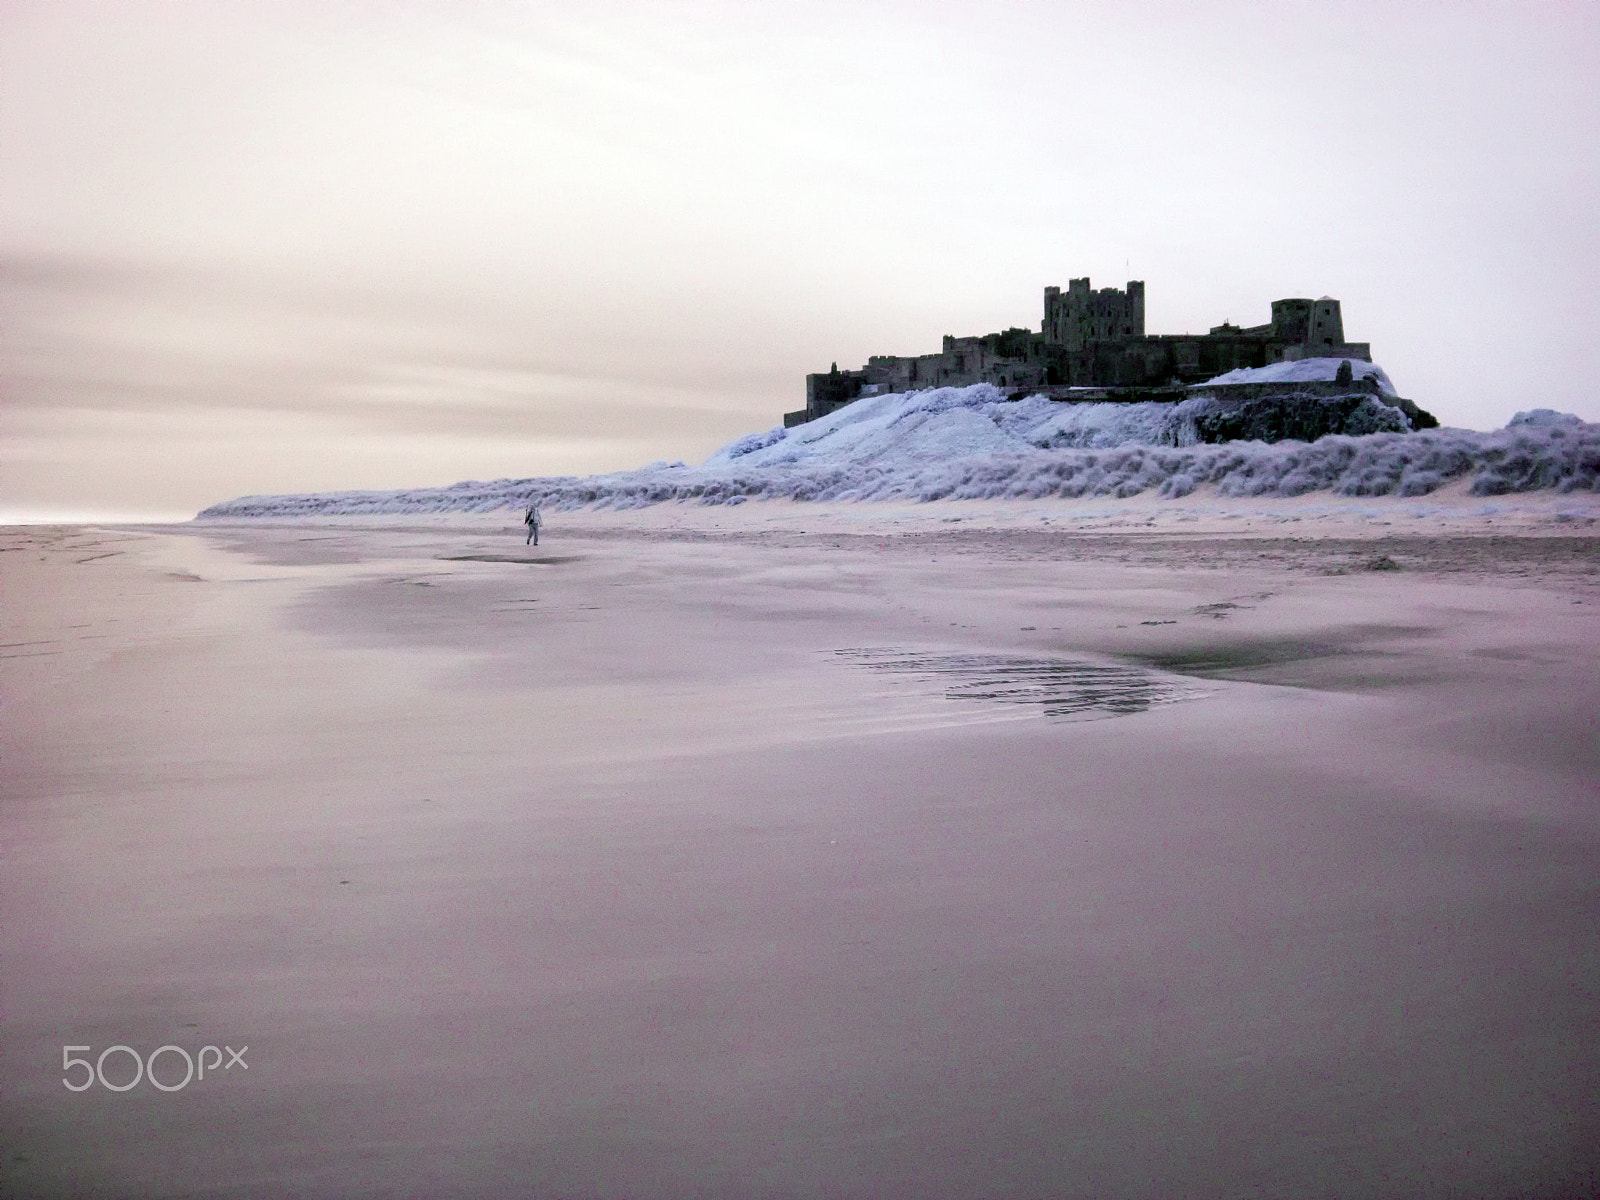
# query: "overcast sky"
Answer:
x=289 y=246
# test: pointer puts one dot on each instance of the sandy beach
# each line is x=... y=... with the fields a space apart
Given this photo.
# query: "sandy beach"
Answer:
x=1133 y=848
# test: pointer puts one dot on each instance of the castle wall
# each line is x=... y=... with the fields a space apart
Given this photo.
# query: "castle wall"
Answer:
x=1014 y=358
x=1361 y=351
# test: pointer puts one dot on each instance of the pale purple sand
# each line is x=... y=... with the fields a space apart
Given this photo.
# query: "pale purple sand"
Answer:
x=603 y=874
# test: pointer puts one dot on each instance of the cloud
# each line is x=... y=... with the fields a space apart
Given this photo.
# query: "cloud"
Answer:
x=114 y=368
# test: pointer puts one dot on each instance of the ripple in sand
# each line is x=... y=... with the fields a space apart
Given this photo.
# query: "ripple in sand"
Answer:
x=1063 y=687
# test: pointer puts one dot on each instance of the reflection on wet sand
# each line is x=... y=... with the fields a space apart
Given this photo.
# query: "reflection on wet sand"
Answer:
x=545 y=561
x=1063 y=687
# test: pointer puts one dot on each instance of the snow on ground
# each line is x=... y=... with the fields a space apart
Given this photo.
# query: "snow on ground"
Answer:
x=1309 y=370
x=972 y=443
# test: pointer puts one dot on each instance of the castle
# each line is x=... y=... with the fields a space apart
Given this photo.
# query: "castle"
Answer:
x=1092 y=339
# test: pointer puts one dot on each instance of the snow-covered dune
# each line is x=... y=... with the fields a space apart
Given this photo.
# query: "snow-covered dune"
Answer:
x=973 y=443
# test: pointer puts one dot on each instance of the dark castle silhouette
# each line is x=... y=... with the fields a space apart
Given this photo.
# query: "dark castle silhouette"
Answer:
x=1093 y=339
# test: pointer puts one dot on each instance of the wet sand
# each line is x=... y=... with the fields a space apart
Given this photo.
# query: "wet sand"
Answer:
x=945 y=851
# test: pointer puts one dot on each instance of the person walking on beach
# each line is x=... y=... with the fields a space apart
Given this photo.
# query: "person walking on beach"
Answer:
x=531 y=520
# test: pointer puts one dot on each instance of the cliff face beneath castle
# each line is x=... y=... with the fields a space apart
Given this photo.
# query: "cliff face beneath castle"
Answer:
x=1292 y=416
x=1304 y=409
x=1300 y=407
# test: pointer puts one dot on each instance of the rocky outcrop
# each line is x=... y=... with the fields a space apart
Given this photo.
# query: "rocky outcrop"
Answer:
x=1279 y=416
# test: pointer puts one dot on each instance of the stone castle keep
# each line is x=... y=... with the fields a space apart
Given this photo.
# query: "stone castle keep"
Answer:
x=1096 y=340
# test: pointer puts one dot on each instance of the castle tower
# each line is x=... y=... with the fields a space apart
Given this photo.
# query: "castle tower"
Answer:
x=1083 y=316
x=1327 y=324
x=1311 y=323
x=1291 y=320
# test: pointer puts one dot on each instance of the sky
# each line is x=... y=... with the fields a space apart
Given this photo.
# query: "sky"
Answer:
x=252 y=247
